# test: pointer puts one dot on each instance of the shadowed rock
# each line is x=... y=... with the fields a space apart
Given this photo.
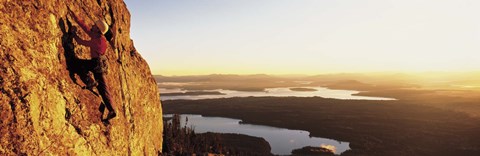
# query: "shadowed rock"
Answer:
x=43 y=108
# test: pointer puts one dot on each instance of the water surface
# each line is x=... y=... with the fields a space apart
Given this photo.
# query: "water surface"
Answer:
x=274 y=92
x=281 y=140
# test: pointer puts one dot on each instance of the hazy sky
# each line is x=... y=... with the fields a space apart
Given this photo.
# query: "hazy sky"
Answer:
x=182 y=37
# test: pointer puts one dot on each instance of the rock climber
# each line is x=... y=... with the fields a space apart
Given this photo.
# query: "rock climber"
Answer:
x=97 y=63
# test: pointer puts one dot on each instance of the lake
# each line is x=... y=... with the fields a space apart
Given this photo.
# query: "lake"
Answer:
x=274 y=92
x=281 y=140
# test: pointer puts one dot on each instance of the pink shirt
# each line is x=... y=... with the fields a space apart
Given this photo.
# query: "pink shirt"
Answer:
x=97 y=43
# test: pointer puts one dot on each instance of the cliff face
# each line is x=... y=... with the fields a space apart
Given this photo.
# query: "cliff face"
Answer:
x=43 y=108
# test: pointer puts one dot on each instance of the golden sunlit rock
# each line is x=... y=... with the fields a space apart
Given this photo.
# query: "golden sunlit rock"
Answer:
x=43 y=108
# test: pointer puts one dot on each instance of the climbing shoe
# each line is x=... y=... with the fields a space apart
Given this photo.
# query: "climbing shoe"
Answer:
x=111 y=114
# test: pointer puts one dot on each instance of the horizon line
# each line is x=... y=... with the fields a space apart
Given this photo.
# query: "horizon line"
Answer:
x=326 y=73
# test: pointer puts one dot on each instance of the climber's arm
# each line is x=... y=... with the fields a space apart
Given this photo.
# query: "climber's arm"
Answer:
x=81 y=23
x=81 y=41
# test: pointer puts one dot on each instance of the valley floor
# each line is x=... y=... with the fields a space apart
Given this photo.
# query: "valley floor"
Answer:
x=403 y=127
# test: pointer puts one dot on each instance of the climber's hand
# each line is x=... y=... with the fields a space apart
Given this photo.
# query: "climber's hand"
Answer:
x=69 y=10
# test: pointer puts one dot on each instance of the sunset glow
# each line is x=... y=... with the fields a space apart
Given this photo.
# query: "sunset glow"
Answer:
x=188 y=37
x=329 y=147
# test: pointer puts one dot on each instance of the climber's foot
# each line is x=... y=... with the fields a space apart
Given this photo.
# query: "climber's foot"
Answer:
x=111 y=114
x=106 y=122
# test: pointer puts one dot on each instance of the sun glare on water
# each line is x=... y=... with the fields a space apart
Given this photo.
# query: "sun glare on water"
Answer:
x=329 y=147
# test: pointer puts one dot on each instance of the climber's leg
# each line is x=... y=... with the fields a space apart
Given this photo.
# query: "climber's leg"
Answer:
x=101 y=108
x=105 y=93
x=85 y=75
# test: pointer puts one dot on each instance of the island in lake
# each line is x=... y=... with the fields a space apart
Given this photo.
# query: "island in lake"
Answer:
x=193 y=93
x=427 y=117
x=303 y=89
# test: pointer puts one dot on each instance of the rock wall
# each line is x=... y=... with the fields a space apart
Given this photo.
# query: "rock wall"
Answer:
x=43 y=108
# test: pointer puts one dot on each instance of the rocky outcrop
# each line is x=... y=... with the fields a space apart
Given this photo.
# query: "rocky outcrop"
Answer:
x=43 y=108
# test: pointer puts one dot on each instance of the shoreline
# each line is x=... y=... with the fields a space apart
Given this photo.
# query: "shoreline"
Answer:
x=375 y=125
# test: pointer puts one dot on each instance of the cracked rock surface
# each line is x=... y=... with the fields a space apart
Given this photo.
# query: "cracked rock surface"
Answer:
x=43 y=108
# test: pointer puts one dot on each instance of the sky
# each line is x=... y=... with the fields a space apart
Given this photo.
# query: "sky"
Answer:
x=196 y=37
